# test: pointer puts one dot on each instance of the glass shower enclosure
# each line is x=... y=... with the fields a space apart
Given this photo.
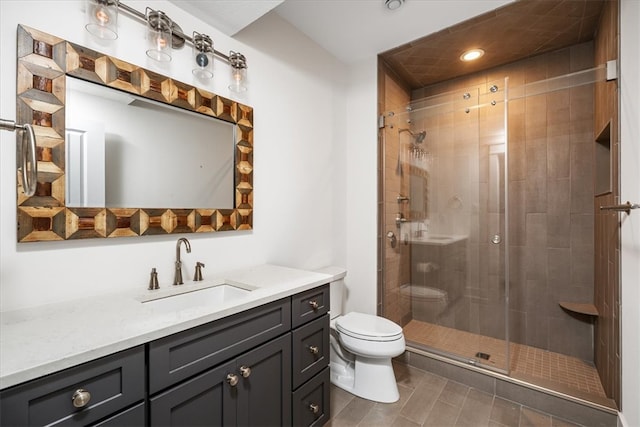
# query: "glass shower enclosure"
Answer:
x=448 y=195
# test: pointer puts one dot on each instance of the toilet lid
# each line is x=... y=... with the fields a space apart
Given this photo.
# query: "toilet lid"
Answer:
x=368 y=327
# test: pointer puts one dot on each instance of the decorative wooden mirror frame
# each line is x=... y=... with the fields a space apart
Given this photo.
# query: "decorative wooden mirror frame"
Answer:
x=43 y=63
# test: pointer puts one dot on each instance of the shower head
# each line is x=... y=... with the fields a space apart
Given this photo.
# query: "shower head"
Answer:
x=419 y=137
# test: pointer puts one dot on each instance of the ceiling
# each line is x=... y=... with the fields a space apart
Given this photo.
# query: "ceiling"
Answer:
x=422 y=41
x=228 y=16
x=351 y=30
x=513 y=32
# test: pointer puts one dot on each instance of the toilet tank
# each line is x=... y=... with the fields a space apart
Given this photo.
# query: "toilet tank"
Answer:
x=337 y=289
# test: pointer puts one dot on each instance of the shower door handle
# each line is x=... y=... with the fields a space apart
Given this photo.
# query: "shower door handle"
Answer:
x=496 y=239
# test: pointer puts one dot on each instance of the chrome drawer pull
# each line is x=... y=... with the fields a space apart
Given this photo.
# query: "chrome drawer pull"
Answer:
x=314 y=408
x=245 y=371
x=314 y=349
x=313 y=304
x=232 y=379
x=81 y=398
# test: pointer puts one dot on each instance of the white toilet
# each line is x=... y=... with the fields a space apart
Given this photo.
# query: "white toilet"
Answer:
x=362 y=346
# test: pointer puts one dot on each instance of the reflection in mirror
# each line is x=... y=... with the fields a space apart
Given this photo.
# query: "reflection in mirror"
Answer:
x=124 y=150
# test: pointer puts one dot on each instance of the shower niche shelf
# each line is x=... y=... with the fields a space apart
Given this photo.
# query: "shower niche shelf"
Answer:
x=582 y=308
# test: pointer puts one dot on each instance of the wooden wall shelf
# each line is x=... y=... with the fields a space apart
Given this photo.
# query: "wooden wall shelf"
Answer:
x=582 y=308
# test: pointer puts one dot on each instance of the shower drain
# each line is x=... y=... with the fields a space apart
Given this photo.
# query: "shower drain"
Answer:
x=482 y=355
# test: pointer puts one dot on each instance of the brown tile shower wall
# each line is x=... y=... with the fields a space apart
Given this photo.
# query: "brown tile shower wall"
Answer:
x=394 y=96
x=551 y=220
x=607 y=239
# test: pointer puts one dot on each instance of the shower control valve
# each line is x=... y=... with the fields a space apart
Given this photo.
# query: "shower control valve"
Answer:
x=400 y=219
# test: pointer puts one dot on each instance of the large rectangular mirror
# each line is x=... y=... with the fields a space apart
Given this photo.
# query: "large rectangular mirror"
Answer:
x=125 y=150
x=206 y=185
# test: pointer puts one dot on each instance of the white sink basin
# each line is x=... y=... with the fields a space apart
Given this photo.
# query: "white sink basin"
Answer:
x=212 y=296
x=438 y=239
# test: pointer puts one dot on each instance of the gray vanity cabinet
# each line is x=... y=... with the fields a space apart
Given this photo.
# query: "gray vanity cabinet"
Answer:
x=95 y=393
x=266 y=366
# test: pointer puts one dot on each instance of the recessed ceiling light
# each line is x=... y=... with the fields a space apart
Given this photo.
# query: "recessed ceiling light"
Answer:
x=471 y=55
x=393 y=4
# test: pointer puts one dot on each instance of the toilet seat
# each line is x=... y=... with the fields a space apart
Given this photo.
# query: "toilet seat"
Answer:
x=368 y=327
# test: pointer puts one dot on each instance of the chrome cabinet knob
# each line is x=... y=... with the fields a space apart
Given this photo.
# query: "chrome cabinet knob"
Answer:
x=313 y=304
x=245 y=371
x=314 y=349
x=232 y=379
x=314 y=408
x=81 y=398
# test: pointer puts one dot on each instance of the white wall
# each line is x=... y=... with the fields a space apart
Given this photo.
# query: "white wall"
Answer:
x=299 y=103
x=362 y=182
x=630 y=190
x=350 y=164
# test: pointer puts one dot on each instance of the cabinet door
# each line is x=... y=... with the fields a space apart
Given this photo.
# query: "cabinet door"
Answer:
x=206 y=400
x=264 y=394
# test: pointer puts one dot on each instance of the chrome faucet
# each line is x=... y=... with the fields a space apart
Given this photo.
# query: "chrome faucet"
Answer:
x=177 y=279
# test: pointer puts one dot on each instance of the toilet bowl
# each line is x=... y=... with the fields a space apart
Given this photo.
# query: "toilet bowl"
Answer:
x=361 y=349
x=427 y=303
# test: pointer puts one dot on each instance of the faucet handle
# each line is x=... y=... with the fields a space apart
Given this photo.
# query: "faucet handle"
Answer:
x=198 y=274
x=153 y=281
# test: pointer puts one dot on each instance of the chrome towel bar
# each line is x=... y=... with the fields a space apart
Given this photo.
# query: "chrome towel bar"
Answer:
x=626 y=207
x=28 y=154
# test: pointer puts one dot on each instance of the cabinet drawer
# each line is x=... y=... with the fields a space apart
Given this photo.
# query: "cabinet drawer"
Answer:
x=309 y=305
x=310 y=350
x=182 y=355
x=311 y=401
x=114 y=382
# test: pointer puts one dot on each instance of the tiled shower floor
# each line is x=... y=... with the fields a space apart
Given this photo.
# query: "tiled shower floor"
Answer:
x=556 y=371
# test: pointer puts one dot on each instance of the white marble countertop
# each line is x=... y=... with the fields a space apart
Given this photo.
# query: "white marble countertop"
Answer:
x=42 y=340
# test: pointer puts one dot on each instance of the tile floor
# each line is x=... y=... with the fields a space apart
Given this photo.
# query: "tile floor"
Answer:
x=427 y=399
x=566 y=372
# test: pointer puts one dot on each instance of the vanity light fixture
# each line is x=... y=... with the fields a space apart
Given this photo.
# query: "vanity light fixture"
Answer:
x=238 y=72
x=102 y=18
x=158 y=35
x=163 y=35
x=471 y=55
x=202 y=56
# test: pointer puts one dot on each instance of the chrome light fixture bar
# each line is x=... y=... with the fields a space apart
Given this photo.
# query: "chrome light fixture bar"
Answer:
x=178 y=37
x=163 y=34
